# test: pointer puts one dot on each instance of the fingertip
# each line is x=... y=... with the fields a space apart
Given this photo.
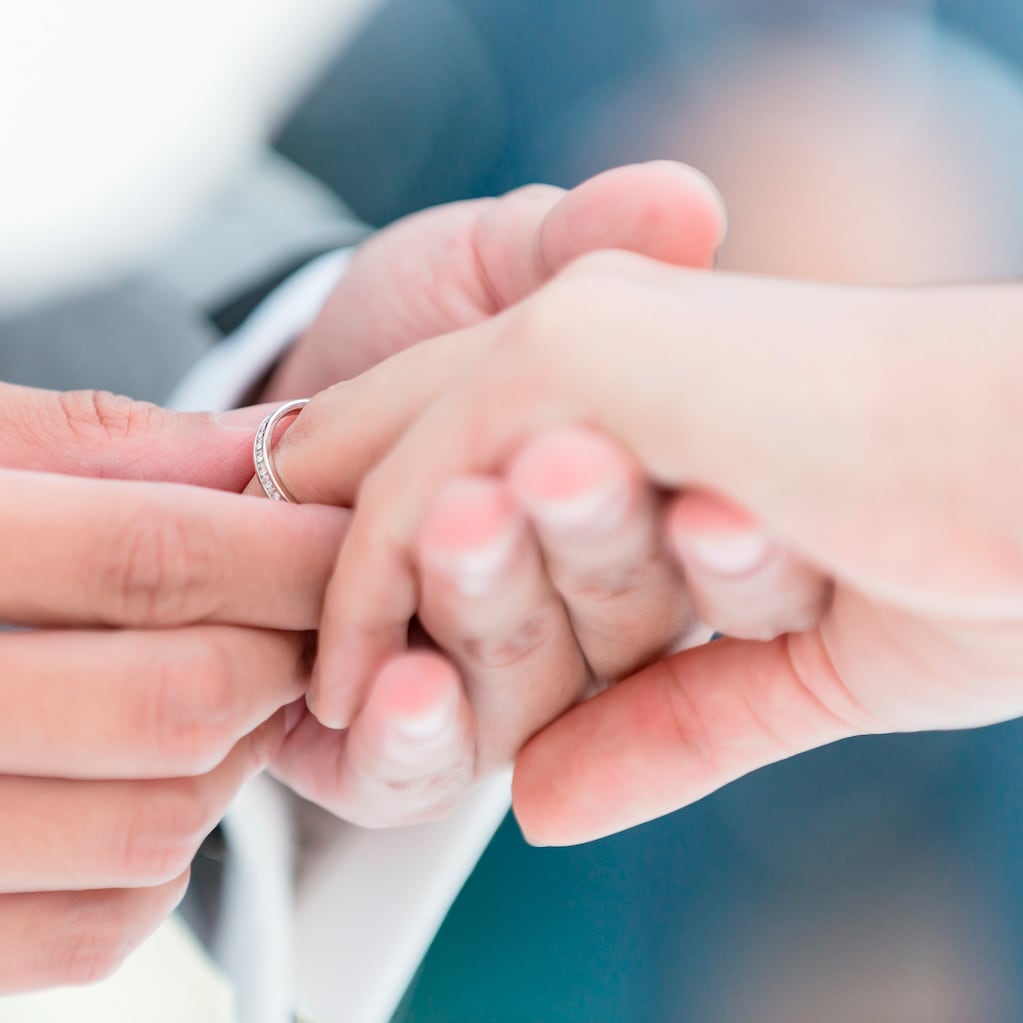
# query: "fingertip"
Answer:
x=566 y=460
x=663 y=209
x=573 y=477
x=701 y=183
x=541 y=810
x=414 y=689
x=471 y=534
x=699 y=511
x=417 y=718
x=467 y=513
x=332 y=710
x=692 y=191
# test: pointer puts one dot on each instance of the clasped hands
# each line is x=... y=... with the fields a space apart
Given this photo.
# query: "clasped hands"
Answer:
x=596 y=460
x=169 y=622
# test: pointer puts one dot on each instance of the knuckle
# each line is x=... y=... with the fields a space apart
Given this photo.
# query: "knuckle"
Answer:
x=93 y=416
x=440 y=784
x=169 y=824
x=510 y=649
x=192 y=707
x=609 y=585
x=163 y=569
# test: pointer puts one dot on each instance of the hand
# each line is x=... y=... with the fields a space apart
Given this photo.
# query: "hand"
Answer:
x=457 y=265
x=429 y=727
x=872 y=432
x=149 y=687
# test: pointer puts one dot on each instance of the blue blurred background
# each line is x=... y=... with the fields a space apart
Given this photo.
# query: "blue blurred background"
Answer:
x=878 y=880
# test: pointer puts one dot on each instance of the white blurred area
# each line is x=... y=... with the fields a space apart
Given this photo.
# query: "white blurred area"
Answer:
x=119 y=118
x=167 y=980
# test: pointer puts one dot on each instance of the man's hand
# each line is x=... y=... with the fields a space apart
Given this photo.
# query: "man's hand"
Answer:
x=427 y=727
x=457 y=265
x=149 y=683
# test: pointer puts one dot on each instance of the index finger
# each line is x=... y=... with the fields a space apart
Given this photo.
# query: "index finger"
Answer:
x=111 y=552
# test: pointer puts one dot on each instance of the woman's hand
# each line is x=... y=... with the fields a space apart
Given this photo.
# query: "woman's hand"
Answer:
x=874 y=433
x=148 y=685
x=428 y=726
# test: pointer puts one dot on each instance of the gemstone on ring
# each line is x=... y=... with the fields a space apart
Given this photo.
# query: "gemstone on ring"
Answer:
x=262 y=451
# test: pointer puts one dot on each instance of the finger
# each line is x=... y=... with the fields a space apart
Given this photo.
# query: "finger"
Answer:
x=487 y=602
x=741 y=582
x=364 y=625
x=76 y=835
x=408 y=757
x=664 y=210
x=324 y=454
x=677 y=731
x=122 y=553
x=540 y=369
x=455 y=265
x=497 y=252
x=94 y=433
x=598 y=523
x=137 y=704
x=57 y=938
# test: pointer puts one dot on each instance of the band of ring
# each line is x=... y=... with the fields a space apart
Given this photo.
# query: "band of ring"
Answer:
x=262 y=451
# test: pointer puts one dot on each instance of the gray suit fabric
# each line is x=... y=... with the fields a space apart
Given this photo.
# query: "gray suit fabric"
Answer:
x=138 y=336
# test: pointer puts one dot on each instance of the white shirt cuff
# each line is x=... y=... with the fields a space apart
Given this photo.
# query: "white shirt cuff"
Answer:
x=228 y=371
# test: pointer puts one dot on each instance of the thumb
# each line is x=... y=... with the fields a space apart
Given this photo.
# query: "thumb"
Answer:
x=662 y=210
x=677 y=731
x=94 y=433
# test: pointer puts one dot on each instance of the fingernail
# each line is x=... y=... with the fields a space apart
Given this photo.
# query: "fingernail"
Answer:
x=430 y=724
x=319 y=708
x=719 y=202
x=729 y=553
x=476 y=571
x=599 y=509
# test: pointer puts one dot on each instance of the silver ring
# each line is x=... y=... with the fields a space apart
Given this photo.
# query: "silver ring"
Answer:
x=262 y=451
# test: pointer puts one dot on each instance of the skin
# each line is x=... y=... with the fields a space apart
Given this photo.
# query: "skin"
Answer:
x=165 y=635
x=167 y=655
x=869 y=434
x=415 y=734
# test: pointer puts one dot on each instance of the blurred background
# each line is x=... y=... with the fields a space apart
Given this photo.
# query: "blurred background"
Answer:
x=879 y=141
x=878 y=880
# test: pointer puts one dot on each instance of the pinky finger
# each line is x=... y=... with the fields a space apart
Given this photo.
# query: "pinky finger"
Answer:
x=57 y=938
x=740 y=582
